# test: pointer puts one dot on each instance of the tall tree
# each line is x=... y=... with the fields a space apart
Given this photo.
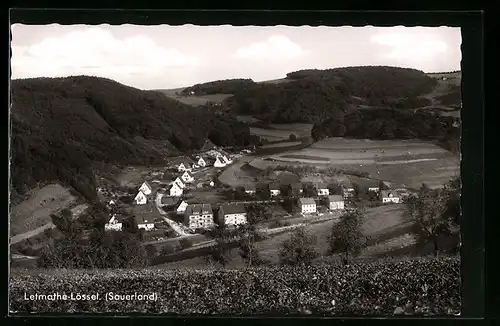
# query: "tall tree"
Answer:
x=428 y=209
x=346 y=236
x=299 y=249
x=247 y=245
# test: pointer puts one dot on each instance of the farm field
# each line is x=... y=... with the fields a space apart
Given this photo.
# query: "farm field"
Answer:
x=377 y=221
x=194 y=100
x=284 y=144
x=247 y=118
x=406 y=162
x=132 y=176
x=282 y=131
x=35 y=212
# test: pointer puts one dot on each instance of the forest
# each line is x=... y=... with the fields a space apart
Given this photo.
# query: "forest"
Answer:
x=61 y=126
x=317 y=95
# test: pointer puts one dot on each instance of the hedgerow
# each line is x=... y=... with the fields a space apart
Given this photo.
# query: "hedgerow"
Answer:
x=417 y=287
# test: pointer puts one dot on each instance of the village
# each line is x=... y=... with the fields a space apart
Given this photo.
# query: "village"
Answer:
x=176 y=203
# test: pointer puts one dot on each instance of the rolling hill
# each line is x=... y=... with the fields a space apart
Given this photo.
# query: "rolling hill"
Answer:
x=61 y=126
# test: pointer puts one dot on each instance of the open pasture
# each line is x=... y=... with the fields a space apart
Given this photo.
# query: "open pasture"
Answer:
x=194 y=100
x=247 y=119
x=378 y=221
x=283 y=144
x=35 y=212
x=282 y=131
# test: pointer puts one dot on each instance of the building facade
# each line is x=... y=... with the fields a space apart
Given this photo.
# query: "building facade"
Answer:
x=199 y=216
x=232 y=214
x=335 y=202
x=140 y=198
x=307 y=205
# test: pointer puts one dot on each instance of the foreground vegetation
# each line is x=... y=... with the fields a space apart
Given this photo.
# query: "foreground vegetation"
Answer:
x=413 y=287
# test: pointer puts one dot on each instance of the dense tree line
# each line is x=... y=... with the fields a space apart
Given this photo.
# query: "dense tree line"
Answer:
x=391 y=124
x=60 y=126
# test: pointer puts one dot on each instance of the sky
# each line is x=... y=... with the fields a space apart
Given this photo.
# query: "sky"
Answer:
x=166 y=57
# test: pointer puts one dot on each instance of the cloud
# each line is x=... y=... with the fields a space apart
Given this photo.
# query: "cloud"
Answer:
x=94 y=51
x=410 y=47
x=276 y=47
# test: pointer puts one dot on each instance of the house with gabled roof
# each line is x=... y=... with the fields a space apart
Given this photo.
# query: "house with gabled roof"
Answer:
x=296 y=188
x=181 y=207
x=227 y=160
x=250 y=189
x=140 y=198
x=187 y=177
x=199 y=216
x=144 y=223
x=146 y=188
x=232 y=214
x=347 y=189
x=200 y=161
x=175 y=191
x=113 y=224
x=322 y=189
x=275 y=189
x=335 y=202
x=178 y=182
x=219 y=162
x=307 y=205
x=389 y=196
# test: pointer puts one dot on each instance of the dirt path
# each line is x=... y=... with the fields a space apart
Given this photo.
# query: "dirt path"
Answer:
x=177 y=227
x=26 y=235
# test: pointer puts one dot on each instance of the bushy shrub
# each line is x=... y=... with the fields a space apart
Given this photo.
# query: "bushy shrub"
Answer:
x=432 y=286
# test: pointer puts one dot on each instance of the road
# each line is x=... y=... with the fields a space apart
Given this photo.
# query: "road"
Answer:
x=177 y=227
x=76 y=211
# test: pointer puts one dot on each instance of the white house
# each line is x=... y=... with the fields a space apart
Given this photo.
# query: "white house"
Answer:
x=274 y=189
x=389 y=196
x=146 y=188
x=201 y=162
x=113 y=224
x=250 y=189
x=141 y=198
x=335 y=202
x=144 y=223
x=219 y=162
x=111 y=202
x=175 y=190
x=181 y=208
x=307 y=205
x=186 y=177
x=232 y=214
x=199 y=216
x=322 y=189
x=179 y=183
x=212 y=183
x=226 y=159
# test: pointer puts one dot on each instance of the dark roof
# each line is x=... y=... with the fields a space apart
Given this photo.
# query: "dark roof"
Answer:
x=199 y=209
x=207 y=146
x=296 y=186
x=169 y=201
x=182 y=159
x=232 y=208
x=274 y=186
x=388 y=193
x=250 y=187
x=306 y=201
x=335 y=198
x=321 y=185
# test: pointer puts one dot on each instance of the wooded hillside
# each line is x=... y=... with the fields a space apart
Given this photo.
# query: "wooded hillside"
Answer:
x=61 y=125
